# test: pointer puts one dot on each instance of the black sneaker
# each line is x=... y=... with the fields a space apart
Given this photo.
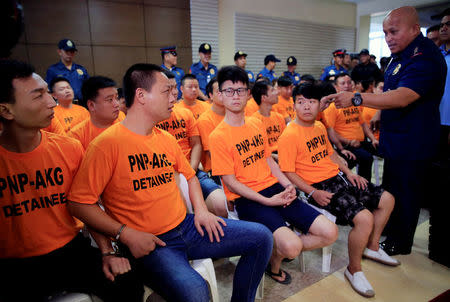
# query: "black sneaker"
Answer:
x=393 y=249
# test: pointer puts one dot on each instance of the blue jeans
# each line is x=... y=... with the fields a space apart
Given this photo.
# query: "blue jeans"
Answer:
x=167 y=271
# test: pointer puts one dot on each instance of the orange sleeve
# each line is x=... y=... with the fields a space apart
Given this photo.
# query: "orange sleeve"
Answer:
x=221 y=158
x=330 y=116
x=205 y=128
x=55 y=127
x=191 y=125
x=287 y=151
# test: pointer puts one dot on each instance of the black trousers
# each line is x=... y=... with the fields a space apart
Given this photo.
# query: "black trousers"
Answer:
x=405 y=179
x=76 y=267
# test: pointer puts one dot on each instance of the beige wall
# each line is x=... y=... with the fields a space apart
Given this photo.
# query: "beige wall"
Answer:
x=323 y=12
x=363 y=32
x=110 y=35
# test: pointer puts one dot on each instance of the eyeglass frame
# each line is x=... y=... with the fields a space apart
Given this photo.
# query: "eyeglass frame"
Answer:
x=229 y=90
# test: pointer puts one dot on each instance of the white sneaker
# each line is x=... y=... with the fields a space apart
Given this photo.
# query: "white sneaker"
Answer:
x=360 y=284
x=380 y=256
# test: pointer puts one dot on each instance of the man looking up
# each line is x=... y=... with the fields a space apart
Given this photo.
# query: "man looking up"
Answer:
x=409 y=137
x=68 y=113
x=203 y=70
x=144 y=209
x=74 y=73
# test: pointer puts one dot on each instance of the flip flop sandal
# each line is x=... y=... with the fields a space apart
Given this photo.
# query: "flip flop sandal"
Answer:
x=287 y=278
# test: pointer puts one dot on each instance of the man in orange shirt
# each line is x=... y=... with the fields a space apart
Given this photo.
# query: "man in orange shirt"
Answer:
x=190 y=91
x=308 y=160
x=285 y=104
x=69 y=114
x=347 y=131
x=240 y=154
x=266 y=96
x=101 y=97
x=42 y=250
x=132 y=166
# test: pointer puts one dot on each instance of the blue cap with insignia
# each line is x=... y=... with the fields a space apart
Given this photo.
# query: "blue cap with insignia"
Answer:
x=169 y=49
x=67 y=44
x=205 y=48
x=270 y=58
x=291 y=61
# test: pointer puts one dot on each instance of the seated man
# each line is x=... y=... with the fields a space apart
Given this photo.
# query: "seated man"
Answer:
x=66 y=112
x=132 y=165
x=101 y=97
x=183 y=127
x=285 y=104
x=347 y=130
x=308 y=160
x=266 y=96
x=240 y=154
x=42 y=250
x=190 y=92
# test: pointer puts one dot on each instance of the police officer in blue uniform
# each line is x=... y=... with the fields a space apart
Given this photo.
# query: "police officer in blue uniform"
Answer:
x=169 y=61
x=66 y=68
x=409 y=137
x=240 y=59
x=333 y=70
x=203 y=70
x=291 y=63
x=270 y=61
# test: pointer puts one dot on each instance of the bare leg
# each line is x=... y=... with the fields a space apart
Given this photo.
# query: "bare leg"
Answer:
x=321 y=233
x=358 y=238
x=216 y=203
x=381 y=217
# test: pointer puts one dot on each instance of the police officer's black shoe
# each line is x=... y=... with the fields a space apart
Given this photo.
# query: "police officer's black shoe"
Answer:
x=393 y=249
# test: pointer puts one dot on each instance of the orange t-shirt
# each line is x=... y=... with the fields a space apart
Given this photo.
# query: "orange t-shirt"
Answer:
x=33 y=195
x=197 y=109
x=55 y=127
x=242 y=151
x=285 y=107
x=345 y=121
x=121 y=116
x=182 y=125
x=251 y=107
x=134 y=175
x=206 y=123
x=306 y=151
x=367 y=115
x=274 y=125
x=71 y=117
x=86 y=131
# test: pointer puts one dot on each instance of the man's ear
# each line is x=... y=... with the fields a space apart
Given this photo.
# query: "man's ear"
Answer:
x=5 y=111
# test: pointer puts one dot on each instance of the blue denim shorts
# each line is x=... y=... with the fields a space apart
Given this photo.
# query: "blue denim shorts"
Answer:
x=207 y=184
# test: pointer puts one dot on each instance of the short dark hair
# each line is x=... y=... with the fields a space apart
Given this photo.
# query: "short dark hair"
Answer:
x=169 y=74
x=209 y=87
x=327 y=88
x=341 y=75
x=141 y=75
x=91 y=86
x=232 y=73
x=260 y=89
x=187 y=76
x=57 y=80
x=433 y=28
x=284 y=81
x=307 y=78
x=10 y=70
x=378 y=81
x=366 y=83
x=120 y=93
x=308 y=90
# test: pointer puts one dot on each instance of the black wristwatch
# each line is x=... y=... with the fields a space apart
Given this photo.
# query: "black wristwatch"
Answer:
x=357 y=99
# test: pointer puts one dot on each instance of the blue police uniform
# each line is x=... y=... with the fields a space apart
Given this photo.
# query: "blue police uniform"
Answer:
x=409 y=136
x=270 y=74
x=332 y=71
x=179 y=74
x=203 y=75
x=76 y=76
x=294 y=76
x=251 y=76
x=444 y=108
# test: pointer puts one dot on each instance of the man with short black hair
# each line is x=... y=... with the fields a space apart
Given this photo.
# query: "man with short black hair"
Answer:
x=330 y=72
x=291 y=63
x=285 y=105
x=240 y=59
x=433 y=34
x=270 y=61
x=203 y=70
x=169 y=58
x=75 y=73
x=191 y=90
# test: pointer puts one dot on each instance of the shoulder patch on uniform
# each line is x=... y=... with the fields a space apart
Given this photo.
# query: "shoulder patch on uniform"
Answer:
x=297 y=78
x=250 y=76
x=332 y=72
x=80 y=72
x=211 y=71
x=397 y=68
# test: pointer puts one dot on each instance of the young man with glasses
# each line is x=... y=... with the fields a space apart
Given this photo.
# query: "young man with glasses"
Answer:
x=240 y=154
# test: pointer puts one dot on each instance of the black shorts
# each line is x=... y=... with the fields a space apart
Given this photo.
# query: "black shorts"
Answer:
x=298 y=213
x=347 y=200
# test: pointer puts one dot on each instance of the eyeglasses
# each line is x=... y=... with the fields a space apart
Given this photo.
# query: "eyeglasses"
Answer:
x=446 y=23
x=229 y=92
